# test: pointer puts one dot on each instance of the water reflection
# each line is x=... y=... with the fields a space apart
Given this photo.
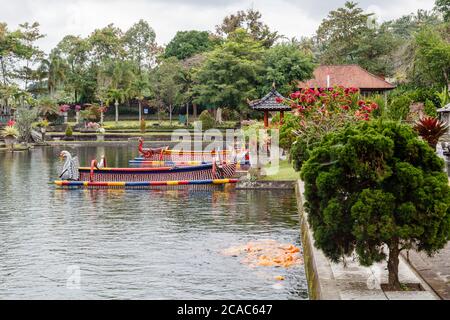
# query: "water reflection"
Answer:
x=135 y=244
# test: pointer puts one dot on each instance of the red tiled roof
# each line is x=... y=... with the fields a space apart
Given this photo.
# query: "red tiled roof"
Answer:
x=346 y=76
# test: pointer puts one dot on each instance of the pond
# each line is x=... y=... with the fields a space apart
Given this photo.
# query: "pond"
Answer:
x=135 y=244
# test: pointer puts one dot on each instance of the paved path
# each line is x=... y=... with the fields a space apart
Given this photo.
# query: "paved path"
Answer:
x=435 y=271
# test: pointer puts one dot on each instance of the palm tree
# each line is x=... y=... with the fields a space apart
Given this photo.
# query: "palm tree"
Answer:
x=118 y=96
x=47 y=107
x=117 y=77
x=54 y=68
x=138 y=89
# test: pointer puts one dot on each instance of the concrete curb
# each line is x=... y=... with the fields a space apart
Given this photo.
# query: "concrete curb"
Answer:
x=321 y=282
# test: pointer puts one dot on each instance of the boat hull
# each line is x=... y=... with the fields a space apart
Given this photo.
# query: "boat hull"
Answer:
x=141 y=184
x=190 y=173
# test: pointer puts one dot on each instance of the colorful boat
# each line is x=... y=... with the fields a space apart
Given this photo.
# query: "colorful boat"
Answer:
x=154 y=163
x=143 y=184
x=96 y=176
x=165 y=156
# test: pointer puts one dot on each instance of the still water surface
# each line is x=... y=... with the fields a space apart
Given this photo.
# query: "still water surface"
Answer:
x=134 y=244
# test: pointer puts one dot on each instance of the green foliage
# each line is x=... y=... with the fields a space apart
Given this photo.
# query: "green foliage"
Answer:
x=301 y=150
x=288 y=135
x=381 y=102
x=406 y=26
x=48 y=107
x=286 y=64
x=18 y=51
x=92 y=113
x=140 y=42
x=320 y=112
x=10 y=131
x=231 y=73
x=346 y=37
x=69 y=131
x=444 y=97
x=433 y=57
x=43 y=123
x=250 y=21
x=185 y=44
x=25 y=117
x=430 y=108
x=207 y=120
x=399 y=108
x=376 y=184
x=443 y=6
x=229 y=114
x=168 y=84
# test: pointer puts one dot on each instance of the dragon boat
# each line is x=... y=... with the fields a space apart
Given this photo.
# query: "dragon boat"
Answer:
x=166 y=157
x=99 y=175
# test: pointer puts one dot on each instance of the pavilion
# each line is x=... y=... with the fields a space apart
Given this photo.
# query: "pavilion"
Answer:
x=268 y=104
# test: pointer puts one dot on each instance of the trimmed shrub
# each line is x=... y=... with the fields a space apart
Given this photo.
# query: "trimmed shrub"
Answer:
x=207 y=120
x=142 y=125
x=69 y=131
x=375 y=185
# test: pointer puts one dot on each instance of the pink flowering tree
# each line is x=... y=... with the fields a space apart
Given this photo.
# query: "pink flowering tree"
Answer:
x=321 y=111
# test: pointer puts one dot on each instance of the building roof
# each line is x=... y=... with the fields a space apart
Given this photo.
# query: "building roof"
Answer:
x=349 y=76
x=269 y=103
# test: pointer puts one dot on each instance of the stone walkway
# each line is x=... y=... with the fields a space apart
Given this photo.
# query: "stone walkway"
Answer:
x=435 y=271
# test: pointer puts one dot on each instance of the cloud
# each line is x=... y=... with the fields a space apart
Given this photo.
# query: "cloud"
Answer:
x=292 y=18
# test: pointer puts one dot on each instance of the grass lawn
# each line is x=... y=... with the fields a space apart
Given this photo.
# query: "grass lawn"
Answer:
x=285 y=173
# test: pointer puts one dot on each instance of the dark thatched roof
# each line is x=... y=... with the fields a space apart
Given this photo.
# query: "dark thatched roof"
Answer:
x=269 y=103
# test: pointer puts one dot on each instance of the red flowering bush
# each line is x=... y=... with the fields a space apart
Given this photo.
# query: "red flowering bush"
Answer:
x=77 y=108
x=10 y=123
x=330 y=102
x=321 y=111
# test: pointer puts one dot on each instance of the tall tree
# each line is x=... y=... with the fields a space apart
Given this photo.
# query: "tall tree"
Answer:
x=32 y=54
x=249 y=20
x=75 y=52
x=12 y=52
x=106 y=44
x=54 y=69
x=139 y=89
x=443 y=6
x=167 y=83
x=350 y=36
x=185 y=44
x=285 y=65
x=231 y=73
x=117 y=77
x=140 y=43
x=432 y=61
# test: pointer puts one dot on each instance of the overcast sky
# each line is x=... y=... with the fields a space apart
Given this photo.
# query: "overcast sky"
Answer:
x=293 y=18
